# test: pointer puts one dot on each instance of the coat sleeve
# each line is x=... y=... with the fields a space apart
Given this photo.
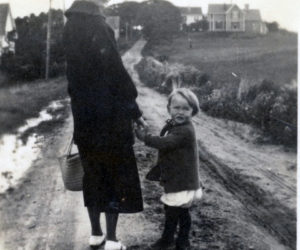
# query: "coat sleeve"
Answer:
x=171 y=141
x=115 y=73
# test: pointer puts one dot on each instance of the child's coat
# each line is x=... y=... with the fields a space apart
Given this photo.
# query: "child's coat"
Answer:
x=178 y=157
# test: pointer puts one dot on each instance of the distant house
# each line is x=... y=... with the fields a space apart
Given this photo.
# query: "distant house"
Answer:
x=253 y=21
x=7 y=25
x=191 y=14
x=230 y=18
x=114 y=23
x=225 y=17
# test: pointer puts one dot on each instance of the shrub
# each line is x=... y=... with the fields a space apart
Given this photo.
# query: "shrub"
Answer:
x=167 y=77
x=283 y=116
x=151 y=72
x=19 y=67
x=256 y=88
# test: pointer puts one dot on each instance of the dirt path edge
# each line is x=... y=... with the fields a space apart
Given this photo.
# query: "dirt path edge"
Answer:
x=279 y=220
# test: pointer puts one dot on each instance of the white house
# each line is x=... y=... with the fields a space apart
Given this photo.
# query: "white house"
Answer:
x=191 y=14
x=7 y=24
x=225 y=17
x=230 y=18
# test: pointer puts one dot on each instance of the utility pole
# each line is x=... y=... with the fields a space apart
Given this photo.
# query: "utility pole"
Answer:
x=64 y=10
x=126 y=31
x=48 y=41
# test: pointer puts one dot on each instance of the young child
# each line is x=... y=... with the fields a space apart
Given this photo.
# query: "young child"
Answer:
x=179 y=163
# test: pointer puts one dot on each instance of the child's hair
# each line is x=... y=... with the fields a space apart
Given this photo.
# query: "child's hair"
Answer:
x=190 y=97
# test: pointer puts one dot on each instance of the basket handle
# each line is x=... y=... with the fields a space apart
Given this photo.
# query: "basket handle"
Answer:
x=70 y=146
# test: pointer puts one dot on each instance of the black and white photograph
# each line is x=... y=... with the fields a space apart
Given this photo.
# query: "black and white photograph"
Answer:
x=149 y=124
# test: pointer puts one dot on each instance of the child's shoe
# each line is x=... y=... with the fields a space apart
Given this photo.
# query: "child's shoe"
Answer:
x=163 y=244
x=114 y=245
x=96 y=240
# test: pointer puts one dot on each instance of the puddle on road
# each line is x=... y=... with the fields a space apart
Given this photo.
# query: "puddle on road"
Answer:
x=16 y=156
x=33 y=122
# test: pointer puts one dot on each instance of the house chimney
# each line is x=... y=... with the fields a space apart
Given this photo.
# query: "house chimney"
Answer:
x=247 y=6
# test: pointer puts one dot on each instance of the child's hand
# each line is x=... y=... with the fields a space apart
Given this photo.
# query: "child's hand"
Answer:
x=140 y=133
x=141 y=122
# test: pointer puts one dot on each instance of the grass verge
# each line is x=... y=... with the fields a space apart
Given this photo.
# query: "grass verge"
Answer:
x=20 y=102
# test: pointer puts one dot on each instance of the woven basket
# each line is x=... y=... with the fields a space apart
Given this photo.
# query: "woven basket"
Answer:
x=71 y=170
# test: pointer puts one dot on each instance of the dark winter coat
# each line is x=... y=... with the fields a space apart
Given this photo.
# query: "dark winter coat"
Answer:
x=178 y=157
x=102 y=93
x=103 y=106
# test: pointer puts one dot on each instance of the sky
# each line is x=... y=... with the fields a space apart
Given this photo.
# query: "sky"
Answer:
x=285 y=12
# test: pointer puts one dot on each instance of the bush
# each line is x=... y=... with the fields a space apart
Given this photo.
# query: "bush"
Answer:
x=167 y=77
x=283 y=116
x=19 y=67
x=255 y=89
x=151 y=72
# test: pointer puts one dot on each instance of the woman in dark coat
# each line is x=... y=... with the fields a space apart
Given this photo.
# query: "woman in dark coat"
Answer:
x=104 y=107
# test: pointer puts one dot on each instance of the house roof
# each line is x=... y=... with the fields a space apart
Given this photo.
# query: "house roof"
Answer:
x=218 y=8
x=4 y=11
x=191 y=10
x=252 y=15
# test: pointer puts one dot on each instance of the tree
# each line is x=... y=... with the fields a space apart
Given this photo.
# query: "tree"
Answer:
x=127 y=12
x=160 y=20
x=28 y=63
x=204 y=24
x=201 y=25
x=273 y=26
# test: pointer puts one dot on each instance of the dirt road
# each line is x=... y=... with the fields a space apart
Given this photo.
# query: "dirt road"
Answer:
x=249 y=200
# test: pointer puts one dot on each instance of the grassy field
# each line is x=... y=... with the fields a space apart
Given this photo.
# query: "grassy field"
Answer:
x=272 y=57
x=20 y=102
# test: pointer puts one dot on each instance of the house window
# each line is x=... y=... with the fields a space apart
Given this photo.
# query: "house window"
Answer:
x=219 y=25
x=235 y=14
x=235 y=25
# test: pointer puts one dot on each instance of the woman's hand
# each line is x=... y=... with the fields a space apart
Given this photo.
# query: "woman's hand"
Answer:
x=141 y=132
x=141 y=123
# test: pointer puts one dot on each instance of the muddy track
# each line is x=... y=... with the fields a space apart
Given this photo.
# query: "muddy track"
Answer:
x=236 y=213
x=279 y=220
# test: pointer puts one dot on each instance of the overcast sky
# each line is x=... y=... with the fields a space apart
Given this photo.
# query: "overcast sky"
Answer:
x=285 y=12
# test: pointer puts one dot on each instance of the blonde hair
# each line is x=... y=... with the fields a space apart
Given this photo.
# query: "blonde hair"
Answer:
x=190 y=97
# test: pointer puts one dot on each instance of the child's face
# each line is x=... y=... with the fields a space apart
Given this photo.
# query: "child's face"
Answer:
x=180 y=110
